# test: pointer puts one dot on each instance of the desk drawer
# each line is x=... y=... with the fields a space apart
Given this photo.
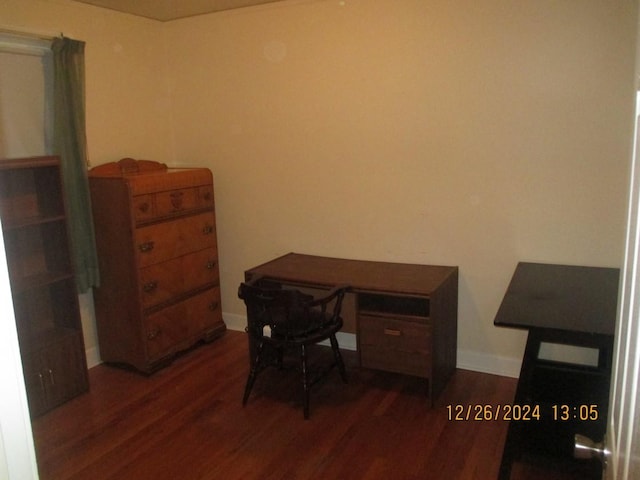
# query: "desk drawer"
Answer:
x=395 y=345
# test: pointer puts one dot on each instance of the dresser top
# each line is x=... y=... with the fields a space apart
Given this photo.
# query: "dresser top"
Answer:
x=128 y=166
x=359 y=274
x=148 y=176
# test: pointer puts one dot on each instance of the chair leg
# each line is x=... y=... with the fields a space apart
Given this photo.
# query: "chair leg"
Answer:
x=338 y=357
x=305 y=380
x=252 y=374
x=280 y=358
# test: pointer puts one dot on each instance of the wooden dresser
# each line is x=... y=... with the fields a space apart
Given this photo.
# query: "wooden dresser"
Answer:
x=43 y=288
x=159 y=289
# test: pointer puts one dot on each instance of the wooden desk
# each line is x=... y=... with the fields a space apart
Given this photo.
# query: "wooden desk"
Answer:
x=571 y=306
x=404 y=316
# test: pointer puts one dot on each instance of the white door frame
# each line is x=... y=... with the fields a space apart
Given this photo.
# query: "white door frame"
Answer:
x=623 y=428
x=17 y=452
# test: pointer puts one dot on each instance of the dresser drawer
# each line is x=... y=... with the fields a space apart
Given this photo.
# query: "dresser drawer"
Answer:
x=143 y=208
x=205 y=192
x=176 y=201
x=180 y=325
x=154 y=206
x=163 y=241
x=161 y=282
x=395 y=345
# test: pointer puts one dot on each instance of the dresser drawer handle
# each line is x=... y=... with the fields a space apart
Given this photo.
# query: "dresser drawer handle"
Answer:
x=144 y=207
x=211 y=264
x=153 y=334
x=207 y=230
x=208 y=196
x=150 y=286
x=213 y=306
x=392 y=332
x=176 y=200
x=146 y=247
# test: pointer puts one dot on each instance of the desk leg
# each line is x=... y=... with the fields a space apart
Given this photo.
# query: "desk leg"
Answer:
x=509 y=453
x=251 y=336
x=513 y=441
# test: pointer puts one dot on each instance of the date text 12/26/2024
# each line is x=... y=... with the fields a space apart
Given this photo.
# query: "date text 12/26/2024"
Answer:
x=518 y=413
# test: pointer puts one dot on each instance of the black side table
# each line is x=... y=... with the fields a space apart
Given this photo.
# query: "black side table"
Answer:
x=563 y=308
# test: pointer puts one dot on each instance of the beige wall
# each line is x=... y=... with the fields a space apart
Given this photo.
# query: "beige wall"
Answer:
x=128 y=106
x=469 y=133
x=458 y=132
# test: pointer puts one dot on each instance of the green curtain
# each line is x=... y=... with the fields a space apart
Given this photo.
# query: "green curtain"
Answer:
x=70 y=143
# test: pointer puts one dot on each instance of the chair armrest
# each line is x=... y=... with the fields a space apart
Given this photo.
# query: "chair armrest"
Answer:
x=337 y=291
x=255 y=280
x=251 y=283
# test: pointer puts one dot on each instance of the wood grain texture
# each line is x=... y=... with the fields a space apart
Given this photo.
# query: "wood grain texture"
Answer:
x=187 y=422
x=153 y=227
x=397 y=295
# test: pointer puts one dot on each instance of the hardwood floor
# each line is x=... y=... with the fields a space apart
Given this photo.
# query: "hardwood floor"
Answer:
x=187 y=422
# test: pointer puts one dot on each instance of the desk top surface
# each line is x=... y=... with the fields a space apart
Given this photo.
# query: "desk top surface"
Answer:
x=561 y=297
x=359 y=274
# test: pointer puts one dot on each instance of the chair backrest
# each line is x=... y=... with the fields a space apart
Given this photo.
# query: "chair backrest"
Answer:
x=280 y=309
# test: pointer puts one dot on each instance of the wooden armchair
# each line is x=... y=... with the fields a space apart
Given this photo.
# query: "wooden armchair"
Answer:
x=295 y=320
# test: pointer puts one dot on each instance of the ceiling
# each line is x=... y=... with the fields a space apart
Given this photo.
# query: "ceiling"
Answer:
x=166 y=10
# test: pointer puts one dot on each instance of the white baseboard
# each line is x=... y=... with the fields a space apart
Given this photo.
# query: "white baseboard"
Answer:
x=235 y=322
x=93 y=357
x=485 y=363
x=466 y=359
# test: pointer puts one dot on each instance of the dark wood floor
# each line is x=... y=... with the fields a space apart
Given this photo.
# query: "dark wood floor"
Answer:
x=187 y=422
